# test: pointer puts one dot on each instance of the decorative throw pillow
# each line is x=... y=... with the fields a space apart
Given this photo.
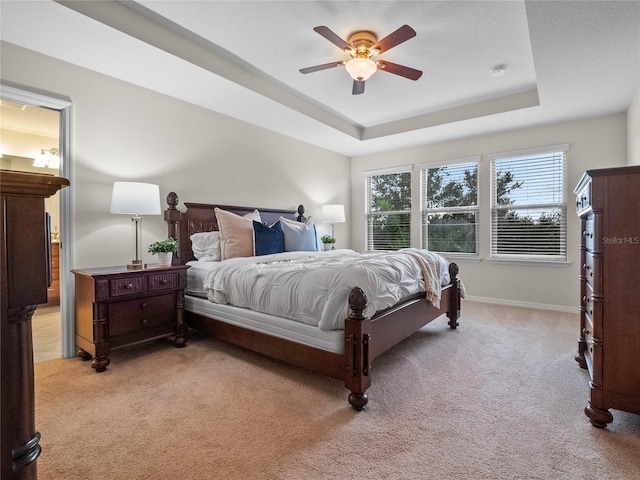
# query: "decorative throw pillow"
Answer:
x=236 y=233
x=267 y=240
x=299 y=236
x=206 y=246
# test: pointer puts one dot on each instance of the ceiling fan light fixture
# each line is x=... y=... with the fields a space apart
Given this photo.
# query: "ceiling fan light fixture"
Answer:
x=361 y=69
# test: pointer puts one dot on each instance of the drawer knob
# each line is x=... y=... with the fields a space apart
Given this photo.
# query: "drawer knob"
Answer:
x=585 y=331
x=585 y=299
x=144 y=321
x=144 y=305
x=586 y=266
x=163 y=281
x=128 y=286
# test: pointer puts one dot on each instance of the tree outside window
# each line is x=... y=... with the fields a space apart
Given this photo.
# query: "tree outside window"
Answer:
x=388 y=211
x=528 y=213
x=450 y=208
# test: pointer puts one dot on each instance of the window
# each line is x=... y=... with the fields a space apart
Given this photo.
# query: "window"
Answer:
x=528 y=205
x=388 y=206
x=450 y=208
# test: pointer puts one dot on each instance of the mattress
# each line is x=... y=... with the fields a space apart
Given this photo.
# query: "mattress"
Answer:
x=313 y=287
x=330 y=340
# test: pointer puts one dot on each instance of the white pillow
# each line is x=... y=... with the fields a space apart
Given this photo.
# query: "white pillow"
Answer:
x=299 y=237
x=236 y=233
x=206 y=246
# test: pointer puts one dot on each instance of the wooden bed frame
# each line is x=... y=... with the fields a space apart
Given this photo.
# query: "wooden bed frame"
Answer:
x=365 y=338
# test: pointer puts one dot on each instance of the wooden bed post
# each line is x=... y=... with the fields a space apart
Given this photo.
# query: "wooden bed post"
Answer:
x=357 y=335
x=301 y=218
x=172 y=217
x=453 y=309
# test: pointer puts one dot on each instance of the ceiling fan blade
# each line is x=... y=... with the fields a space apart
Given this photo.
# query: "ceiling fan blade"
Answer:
x=317 y=68
x=333 y=38
x=407 y=72
x=401 y=35
x=358 y=87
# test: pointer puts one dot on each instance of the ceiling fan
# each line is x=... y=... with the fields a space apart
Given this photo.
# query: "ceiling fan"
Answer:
x=362 y=46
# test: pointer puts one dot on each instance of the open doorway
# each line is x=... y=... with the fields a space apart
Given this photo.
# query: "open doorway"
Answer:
x=35 y=138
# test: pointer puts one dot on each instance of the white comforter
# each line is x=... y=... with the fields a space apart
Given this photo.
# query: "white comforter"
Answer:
x=313 y=287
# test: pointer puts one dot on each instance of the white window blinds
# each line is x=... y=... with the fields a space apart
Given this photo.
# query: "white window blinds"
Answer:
x=528 y=206
x=449 y=208
x=388 y=212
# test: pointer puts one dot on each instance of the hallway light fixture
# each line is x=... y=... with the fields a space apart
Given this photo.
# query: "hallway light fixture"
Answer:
x=136 y=199
x=47 y=158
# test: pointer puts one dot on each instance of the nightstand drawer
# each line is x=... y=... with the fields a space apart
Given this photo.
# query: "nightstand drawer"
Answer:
x=163 y=281
x=127 y=286
x=141 y=314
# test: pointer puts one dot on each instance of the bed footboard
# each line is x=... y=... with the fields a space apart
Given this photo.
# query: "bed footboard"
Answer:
x=366 y=338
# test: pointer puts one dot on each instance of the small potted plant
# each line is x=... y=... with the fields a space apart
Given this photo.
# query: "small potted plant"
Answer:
x=164 y=249
x=327 y=241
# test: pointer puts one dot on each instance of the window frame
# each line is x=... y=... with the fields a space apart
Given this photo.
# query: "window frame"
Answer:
x=425 y=211
x=368 y=174
x=528 y=258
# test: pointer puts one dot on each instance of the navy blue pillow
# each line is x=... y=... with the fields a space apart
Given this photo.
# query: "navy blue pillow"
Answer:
x=267 y=240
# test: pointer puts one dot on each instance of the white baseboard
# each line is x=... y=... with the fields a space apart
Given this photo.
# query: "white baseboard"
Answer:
x=514 y=303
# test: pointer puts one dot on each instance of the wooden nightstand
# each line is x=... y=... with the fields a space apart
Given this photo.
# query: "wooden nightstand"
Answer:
x=116 y=307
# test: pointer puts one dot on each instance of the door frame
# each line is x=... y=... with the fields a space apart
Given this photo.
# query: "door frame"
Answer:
x=67 y=238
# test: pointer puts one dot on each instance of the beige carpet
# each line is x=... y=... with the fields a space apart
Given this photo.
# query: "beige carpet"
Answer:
x=500 y=398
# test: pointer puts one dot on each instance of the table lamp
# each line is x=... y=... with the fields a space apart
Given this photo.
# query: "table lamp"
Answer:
x=333 y=214
x=136 y=199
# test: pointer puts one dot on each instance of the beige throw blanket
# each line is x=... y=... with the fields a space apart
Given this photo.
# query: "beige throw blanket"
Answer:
x=431 y=273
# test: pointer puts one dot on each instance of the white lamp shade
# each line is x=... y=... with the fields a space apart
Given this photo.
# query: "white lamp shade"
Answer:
x=361 y=68
x=333 y=213
x=133 y=198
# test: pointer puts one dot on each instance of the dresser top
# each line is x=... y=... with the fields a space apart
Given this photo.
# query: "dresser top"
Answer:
x=603 y=172
x=121 y=269
x=614 y=171
x=32 y=184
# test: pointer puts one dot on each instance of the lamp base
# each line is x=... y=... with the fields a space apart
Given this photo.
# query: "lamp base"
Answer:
x=136 y=265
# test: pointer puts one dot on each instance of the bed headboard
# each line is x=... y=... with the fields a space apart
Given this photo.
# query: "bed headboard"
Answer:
x=200 y=217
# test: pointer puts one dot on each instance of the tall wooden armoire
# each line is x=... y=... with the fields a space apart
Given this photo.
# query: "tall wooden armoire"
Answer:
x=25 y=274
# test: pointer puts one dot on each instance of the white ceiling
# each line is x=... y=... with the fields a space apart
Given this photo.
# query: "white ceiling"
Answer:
x=564 y=60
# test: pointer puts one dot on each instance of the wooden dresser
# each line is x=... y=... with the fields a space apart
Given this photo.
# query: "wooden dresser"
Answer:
x=608 y=203
x=116 y=307
x=24 y=278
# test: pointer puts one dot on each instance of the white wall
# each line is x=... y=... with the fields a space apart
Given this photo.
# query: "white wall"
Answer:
x=124 y=132
x=633 y=131
x=594 y=143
